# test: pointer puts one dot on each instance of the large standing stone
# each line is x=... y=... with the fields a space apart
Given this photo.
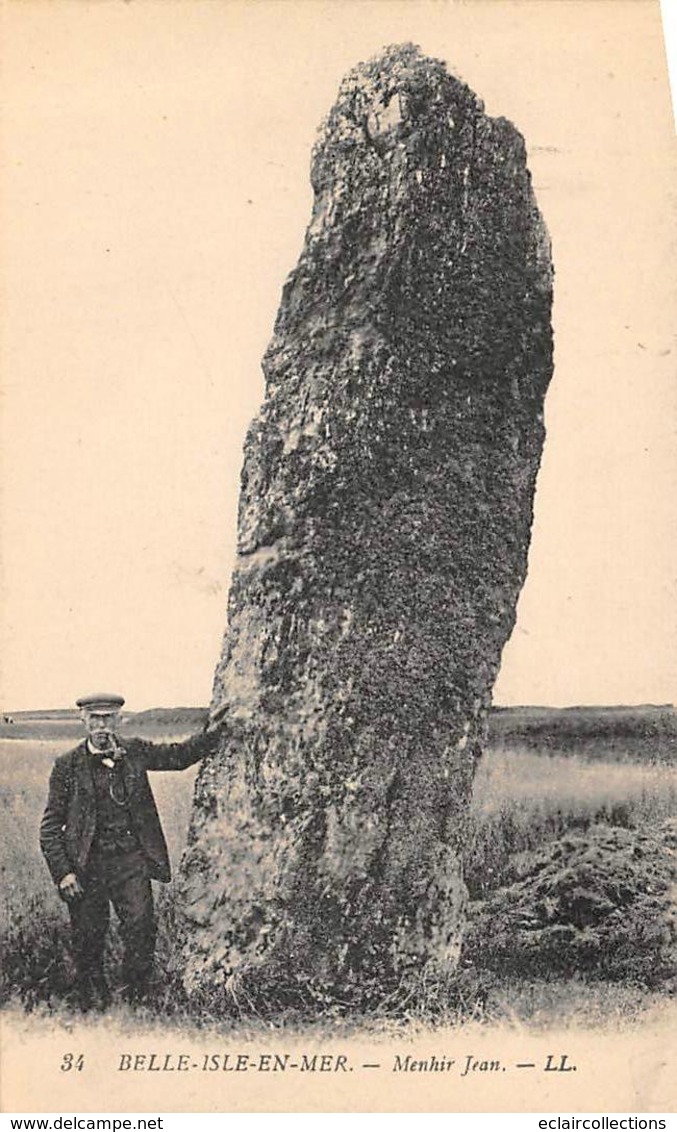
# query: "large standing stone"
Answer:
x=384 y=524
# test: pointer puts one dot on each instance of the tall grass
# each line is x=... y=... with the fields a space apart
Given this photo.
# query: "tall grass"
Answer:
x=521 y=799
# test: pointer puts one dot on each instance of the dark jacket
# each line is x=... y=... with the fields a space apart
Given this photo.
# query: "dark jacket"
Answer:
x=69 y=821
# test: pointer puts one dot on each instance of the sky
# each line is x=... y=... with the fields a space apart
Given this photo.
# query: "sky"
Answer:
x=155 y=190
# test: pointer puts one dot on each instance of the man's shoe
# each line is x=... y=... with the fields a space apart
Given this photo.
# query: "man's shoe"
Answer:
x=84 y=999
x=101 y=996
x=135 y=994
x=93 y=994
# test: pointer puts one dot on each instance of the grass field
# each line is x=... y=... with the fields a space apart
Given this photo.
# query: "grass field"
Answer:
x=522 y=799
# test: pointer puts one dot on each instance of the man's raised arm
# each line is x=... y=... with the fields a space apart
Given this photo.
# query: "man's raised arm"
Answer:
x=178 y=756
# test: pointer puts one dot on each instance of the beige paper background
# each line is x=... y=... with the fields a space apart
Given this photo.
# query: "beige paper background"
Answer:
x=155 y=195
x=156 y=192
x=615 y=1072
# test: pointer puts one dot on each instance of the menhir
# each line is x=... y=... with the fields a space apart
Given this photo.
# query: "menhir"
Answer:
x=384 y=524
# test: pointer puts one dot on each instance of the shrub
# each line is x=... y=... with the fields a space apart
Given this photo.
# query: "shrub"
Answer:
x=599 y=904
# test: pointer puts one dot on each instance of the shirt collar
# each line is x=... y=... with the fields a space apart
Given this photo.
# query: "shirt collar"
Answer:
x=95 y=750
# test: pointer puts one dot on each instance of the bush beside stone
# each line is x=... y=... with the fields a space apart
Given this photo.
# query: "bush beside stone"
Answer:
x=599 y=904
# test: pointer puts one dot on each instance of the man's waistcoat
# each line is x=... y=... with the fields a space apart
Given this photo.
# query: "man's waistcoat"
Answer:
x=68 y=825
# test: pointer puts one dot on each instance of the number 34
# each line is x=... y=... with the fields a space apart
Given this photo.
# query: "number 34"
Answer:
x=72 y=1061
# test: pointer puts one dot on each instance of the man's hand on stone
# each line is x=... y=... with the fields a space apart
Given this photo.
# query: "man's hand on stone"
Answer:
x=70 y=887
x=216 y=718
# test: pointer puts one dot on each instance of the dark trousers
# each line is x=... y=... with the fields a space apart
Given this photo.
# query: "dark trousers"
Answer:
x=120 y=879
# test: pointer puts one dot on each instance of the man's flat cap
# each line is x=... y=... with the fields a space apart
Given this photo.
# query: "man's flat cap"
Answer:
x=100 y=702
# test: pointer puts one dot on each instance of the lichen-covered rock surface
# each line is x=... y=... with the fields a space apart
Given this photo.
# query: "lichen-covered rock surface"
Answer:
x=384 y=523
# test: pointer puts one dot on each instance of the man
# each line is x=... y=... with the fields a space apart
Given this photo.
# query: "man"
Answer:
x=102 y=839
